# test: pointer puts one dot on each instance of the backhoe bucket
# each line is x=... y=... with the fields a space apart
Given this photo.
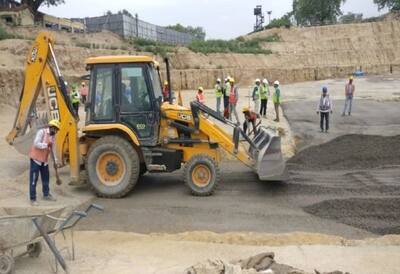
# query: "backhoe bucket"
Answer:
x=269 y=163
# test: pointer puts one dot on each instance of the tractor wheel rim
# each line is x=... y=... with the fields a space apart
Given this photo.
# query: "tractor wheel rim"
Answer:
x=110 y=168
x=201 y=175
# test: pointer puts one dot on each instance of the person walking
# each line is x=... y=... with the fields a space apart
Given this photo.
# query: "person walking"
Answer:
x=264 y=94
x=200 y=96
x=39 y=154
x=324 y=107
x=233 y=100
x=218 y=94
x=256 y=95
x=75 y=99
x=226 y=91
x=349 y=94
x=276 y=98
x=83 y=91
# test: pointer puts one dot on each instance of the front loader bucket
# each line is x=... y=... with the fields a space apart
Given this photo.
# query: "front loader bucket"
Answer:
x=269 y=163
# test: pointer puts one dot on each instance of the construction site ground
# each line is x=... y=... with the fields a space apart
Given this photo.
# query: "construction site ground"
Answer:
x=335 y=211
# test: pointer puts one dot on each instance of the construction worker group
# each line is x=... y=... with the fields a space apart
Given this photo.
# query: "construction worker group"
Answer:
x=227 y=97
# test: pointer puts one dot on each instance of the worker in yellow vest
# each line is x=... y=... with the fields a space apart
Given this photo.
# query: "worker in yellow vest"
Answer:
x=75 y=98
x=218 y=94
x=264 y=94
x=276 y=98
x=256 y=95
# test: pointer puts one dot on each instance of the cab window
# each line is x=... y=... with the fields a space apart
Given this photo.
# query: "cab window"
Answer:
x=135 y=95
x=102 y=95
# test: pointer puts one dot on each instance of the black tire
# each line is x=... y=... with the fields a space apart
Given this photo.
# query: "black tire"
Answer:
x=212 y=177
x=7 y=264
x=34 y=249
x=124 y=157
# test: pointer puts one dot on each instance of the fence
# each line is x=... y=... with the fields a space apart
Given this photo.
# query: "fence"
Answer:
x=132 y=27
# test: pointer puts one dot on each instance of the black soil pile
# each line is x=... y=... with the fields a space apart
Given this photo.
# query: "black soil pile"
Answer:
x=349 y=152
x=379 y=216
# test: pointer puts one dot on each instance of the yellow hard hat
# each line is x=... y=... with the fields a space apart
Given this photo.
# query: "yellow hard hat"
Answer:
x=232 y=80
x=351 y=77
x=201 y=88
x=245 y=109
x=165 y=82
x=55 y=123
x=83 y=83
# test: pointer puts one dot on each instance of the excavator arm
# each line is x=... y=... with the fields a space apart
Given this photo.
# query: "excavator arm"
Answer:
x=43 y=76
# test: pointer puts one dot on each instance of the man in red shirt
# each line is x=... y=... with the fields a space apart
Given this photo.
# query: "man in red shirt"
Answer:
x=200 y=96
x=249 y=117
x=83 y=92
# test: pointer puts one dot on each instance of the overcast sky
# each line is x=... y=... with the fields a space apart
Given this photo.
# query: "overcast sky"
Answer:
x=220 y=18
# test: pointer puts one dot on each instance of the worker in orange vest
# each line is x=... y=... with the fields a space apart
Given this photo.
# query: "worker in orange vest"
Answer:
x=165 y=91
x=39 y=155
x=200 y=96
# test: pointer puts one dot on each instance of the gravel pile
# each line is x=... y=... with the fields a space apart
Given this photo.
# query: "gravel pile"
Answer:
x=349 y=152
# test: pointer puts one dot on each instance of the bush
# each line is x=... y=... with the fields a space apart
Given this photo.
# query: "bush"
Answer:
x=157 y=48
x=83 y=45
x=284 y=21
x=5 y=35
x=226 y=46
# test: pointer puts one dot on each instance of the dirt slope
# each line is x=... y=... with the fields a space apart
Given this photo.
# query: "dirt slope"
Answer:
x=302 y=54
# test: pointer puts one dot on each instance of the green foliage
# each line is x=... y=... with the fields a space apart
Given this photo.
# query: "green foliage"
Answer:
x=84 y=45
x=351 y=18
x=35 y=4
x=154 y=47
x=284 y=21
x=5 y=35
x=393 y=5
x=125 y=12
x=316 y=12
x=239 y=45
x=197 y=32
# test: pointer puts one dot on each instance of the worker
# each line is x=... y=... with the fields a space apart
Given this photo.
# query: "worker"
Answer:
x=349 y=94
x=226 y=91
x=324 y=108
x=276 y=98
x=83 y=91
x=75 y=98
x=218 y=94
x=256 y=95
x=39 y=155
x=233 y=100
x=200 y=96
x=165 y=91
x=264 y=94
x=250 y=117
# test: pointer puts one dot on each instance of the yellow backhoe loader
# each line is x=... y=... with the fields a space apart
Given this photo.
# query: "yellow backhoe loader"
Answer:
x=129 y=130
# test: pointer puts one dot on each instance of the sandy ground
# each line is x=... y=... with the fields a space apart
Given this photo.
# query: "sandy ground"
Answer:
x=126 y=252
x=137 y=253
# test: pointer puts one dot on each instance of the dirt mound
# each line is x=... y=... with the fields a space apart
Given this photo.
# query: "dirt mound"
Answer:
x=349 y=152
x=380 y=216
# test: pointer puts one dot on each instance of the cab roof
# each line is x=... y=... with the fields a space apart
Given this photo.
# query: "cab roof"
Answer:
x=117 y=59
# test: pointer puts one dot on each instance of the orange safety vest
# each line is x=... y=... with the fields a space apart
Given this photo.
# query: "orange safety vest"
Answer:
x=232 y=96
x=200 y=98
x=41 y=155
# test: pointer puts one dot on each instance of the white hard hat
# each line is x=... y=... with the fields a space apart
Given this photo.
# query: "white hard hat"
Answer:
x=276 y=83
x=218 y=80
x=265 y=81
x=257 y=80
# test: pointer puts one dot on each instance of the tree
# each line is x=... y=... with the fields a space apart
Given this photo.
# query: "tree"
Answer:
x=197 y=32
x=351 y=18
x=284 y=21
x=393 y=5
x=316 y=12
x=125 y=12
x=34 y=5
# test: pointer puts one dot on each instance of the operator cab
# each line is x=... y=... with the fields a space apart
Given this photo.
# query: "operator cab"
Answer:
x=125 y=90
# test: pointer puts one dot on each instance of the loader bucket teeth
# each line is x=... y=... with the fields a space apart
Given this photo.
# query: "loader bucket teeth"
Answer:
x=269 y=162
